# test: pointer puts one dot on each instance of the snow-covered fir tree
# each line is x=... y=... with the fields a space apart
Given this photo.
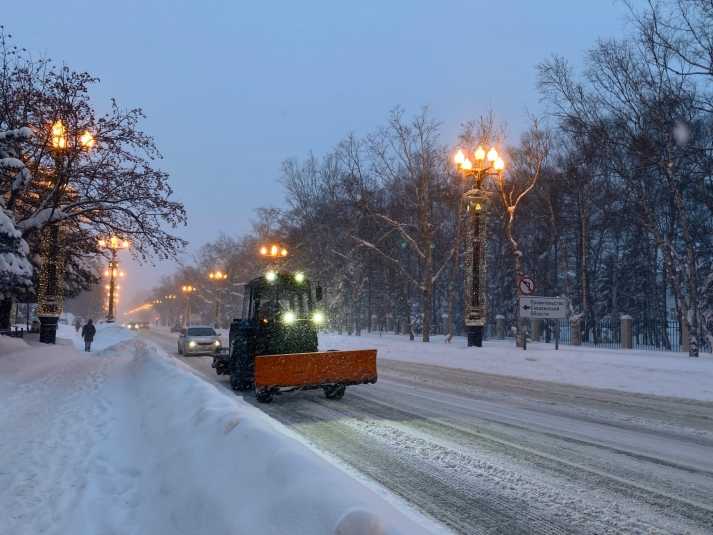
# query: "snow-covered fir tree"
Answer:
x=15 y=269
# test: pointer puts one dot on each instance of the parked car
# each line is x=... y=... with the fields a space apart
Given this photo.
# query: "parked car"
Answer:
x=198 y=339
x=145 y=325
x=133 y=326
x=176 y=328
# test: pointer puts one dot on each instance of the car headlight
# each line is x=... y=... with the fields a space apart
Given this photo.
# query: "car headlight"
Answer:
x=318 y=317
x=289 y=317
x=191 y=344
x=270 y=275
x=217 y=343
x=299 y=277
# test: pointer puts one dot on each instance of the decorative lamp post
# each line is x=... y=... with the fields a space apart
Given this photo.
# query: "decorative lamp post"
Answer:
x=476 y=202
x=170 y=308
x=53 y=256
x=274 y=252
x=113 y=244
x=218 y=277
x=157 y=302
x=188 y=290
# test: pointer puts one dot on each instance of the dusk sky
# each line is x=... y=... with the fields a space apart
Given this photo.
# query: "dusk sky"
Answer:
x=232 y=88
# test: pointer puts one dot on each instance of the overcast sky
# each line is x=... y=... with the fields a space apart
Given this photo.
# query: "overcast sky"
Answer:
x=231 y=87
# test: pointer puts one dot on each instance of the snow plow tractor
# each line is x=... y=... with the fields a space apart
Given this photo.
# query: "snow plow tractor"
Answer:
x=273 y=347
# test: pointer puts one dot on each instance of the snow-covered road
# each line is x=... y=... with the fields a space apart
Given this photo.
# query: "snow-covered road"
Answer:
x=483 y=453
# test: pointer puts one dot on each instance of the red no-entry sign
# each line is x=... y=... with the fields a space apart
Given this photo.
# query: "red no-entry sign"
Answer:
x=526 y=285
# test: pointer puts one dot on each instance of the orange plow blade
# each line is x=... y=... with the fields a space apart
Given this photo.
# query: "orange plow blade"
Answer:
x=316 y=369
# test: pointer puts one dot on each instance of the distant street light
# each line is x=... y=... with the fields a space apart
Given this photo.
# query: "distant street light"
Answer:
x=218 y=277
x=188 y=290
x=274 y=252
x=170 y=308
x=476 y=202
x=113 y=244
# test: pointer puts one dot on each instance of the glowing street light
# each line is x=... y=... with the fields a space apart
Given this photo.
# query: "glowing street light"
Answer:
x=113 y=244
x=50 y=291
x=218 y=277
x=476 y=202
x=188 y=290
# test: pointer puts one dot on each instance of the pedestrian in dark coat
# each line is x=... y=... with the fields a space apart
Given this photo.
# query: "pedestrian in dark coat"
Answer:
x=88 y=332
x=77 y=325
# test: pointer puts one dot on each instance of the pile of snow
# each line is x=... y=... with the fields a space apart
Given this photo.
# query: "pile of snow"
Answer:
x=108 y=334
x=21 y=363
x=124 y=440
x=659 y=373
x=244 y=475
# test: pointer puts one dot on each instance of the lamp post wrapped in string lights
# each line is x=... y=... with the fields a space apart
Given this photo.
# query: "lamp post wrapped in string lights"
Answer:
x=476 y=202
x=53 y=255
x=113 y=244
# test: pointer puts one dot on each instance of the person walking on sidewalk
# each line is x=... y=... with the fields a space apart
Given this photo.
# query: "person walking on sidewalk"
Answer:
x=88 y=332
x=77 y=325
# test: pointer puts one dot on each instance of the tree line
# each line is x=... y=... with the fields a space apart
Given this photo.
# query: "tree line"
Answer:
x=605 y=200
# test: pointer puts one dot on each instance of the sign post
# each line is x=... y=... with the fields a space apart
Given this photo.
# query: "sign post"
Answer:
x=553 y=308
x=525 y=286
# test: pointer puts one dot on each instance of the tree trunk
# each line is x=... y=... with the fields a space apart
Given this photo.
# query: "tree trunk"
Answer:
x=5 y=308
x=407 y=309
x=357 y=309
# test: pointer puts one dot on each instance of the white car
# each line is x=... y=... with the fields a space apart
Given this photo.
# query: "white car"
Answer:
x=198 y=339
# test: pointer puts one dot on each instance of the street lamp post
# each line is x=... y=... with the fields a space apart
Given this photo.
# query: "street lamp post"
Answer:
x=274 y=252
x=50 y=291
x=476 y=202
x=218 y=277
x=113 y=244
x=157 y=302
x=188 y=290
x=170 y=308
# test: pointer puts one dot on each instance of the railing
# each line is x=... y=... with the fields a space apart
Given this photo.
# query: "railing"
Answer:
x=17 y=333
x=606 y=333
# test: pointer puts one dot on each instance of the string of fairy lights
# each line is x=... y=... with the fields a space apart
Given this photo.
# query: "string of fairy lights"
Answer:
x=50 y=292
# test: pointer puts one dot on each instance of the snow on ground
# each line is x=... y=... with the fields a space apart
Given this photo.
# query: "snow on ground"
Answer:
x=124 y=440
x=659 y=373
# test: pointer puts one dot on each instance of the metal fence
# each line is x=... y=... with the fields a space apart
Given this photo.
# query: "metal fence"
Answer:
x=606 y=333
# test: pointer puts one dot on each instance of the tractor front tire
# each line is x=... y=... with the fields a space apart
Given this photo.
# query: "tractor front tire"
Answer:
x=179 y=349
x=334 y=391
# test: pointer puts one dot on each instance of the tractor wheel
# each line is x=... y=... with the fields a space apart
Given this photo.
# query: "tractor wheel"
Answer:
x=334 y=391
x=179 y=349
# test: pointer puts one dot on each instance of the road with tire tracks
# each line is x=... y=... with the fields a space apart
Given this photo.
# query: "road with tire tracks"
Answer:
x=481 y=453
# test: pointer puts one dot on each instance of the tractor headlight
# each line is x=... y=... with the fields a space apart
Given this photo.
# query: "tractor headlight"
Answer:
x=289 y=317
x=318 y=317
x=191 y=344
x=299 y=277
x=217 y=343
x=270 y=275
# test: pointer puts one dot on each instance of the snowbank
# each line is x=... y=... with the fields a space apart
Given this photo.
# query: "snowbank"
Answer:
x=223 y=467
x=23 y=361
x=659 y=373
x=126 y=440
x=108 y=334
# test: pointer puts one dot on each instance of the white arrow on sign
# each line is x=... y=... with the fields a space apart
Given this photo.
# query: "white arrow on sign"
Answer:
x=526 y=285
x=543 y=308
